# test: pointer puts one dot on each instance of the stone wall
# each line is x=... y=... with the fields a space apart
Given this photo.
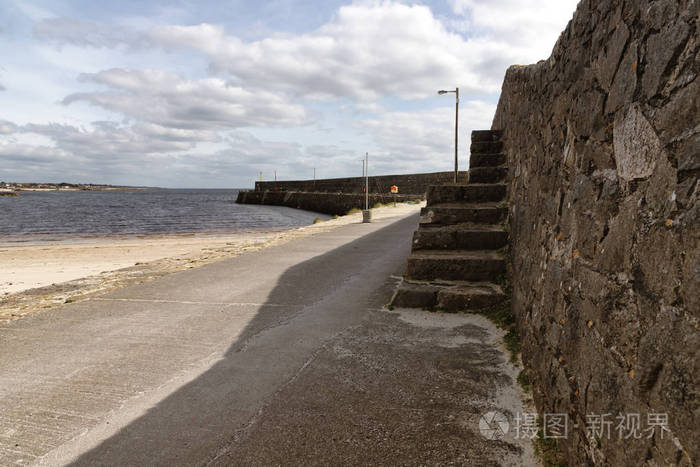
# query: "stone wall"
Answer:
x=414 y=184
x=326 y=203
x=603 y=145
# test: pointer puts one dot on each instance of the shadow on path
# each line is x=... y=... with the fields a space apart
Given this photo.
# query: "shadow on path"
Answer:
x=329 y=378
x=319 y=297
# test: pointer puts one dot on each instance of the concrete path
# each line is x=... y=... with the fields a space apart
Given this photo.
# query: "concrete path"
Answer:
x=283 y=356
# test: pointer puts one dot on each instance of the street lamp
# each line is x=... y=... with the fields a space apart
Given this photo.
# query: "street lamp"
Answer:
x=456 y=91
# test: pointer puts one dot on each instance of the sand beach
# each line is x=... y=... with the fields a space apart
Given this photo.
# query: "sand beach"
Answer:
x=39 y=276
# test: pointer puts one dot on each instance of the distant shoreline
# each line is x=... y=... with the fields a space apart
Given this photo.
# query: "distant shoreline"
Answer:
x=111 y=188
x=63 y=186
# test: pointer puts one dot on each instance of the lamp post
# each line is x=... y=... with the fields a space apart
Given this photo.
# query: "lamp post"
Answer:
x=456 y=91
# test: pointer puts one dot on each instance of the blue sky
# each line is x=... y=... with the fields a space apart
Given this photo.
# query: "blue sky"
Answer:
x=209 y=94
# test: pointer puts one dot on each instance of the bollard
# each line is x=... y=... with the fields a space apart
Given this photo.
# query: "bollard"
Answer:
x=366 y=216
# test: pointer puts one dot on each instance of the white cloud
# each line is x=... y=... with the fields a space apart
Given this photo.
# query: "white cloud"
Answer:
x=7 y=127
x=365 y=52
x=86 y=33
x=166 y=99
x=108 y=140
x=370 y=107
x=531 y=26
x=424 y=141
x=155 y=155
x=32 y=154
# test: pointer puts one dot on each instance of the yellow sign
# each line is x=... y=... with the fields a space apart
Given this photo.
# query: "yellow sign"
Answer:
x=394 y=189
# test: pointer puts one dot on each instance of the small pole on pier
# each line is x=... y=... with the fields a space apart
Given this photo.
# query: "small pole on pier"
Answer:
x=275 y=175
x=366 y=214
x=314 y=173
x=261 y=176
x=366 y=180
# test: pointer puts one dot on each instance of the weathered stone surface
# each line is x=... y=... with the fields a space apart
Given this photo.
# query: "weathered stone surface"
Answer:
x=606 y=65
x=625 y=82
x=678 y=125
x=455 y=265
x=411 y=295
x=603 y=145
x=470 y=298
x=460 y=237
x=486 y=160
x=487 y=174
x=465 y=193
x=658 y=13
x=486 y=135
x=445 y=214
x=635 y=144
x=660 y=49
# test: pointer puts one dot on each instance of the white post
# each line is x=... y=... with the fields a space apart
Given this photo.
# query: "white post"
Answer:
x=366 y=181
x=366 y=213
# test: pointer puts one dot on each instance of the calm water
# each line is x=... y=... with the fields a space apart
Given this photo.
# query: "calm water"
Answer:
x=65 y=215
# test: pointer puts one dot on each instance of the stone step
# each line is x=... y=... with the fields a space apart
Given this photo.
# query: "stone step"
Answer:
x=455 y=265
x=473 y=192
x=487 y=174
x=486 y=135
x=456 y=213
x=461 y=296
x=486 y=147
x=486 y=160
x=415 y=295
x=460 y=237
x=470 y=298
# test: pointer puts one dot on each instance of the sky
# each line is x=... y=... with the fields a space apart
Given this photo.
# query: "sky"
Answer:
x=208 y=94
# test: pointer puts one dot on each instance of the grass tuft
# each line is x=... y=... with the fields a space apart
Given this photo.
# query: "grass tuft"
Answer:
x=502 y=317
x=547 y=450
x=524 y=381
x=354 y=211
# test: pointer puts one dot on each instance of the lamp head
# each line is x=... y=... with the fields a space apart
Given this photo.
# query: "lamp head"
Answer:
x=442 y=92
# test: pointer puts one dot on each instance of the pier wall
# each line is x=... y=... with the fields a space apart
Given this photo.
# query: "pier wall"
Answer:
x=412 y=184
x=326 y=203
x=339 y=195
